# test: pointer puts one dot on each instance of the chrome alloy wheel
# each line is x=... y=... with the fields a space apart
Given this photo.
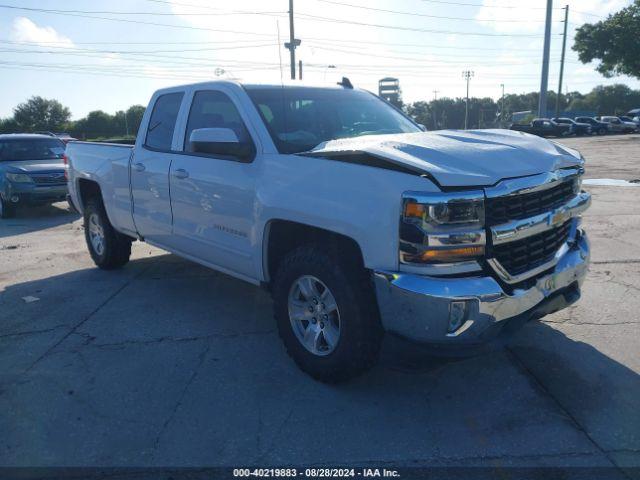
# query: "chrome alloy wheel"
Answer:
x=96 y=234
x=314 y=315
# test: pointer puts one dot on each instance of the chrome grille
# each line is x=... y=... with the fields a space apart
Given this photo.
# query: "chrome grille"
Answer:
x=499 y=210
x=523 y=255
x=53 y=178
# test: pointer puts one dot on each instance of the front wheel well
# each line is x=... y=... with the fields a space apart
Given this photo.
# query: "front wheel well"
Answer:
x=284 y=236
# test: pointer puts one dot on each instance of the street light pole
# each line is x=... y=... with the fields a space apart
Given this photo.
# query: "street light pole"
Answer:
x=544 y=81
x=564 y=49
x=467 y=74
x=435 y=112
x=502 y=106
x=292 y=43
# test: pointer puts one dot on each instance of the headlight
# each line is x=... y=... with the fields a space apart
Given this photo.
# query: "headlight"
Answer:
x=19 y=178
x=442 y=228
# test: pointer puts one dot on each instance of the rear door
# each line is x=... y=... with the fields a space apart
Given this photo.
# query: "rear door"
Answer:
x=150 y=170
x=212 y=196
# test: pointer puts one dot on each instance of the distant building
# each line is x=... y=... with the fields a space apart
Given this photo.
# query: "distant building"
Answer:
x=389 y=89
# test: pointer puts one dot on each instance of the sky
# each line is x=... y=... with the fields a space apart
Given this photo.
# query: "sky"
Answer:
x=110 y=54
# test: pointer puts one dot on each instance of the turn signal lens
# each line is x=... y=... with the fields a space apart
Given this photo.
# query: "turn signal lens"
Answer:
x=414 y=210
x=451 y=254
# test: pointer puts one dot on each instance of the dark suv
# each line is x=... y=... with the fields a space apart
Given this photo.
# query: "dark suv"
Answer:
x=597 y=127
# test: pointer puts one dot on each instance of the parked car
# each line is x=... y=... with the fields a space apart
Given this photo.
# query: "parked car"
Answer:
x=355 y=219
x=65 y=137
x=578 y=127
x=635 y=121
x=544 y=127
x=597 y=127
x=617 y=125
x=32 y=171
x=634 y=113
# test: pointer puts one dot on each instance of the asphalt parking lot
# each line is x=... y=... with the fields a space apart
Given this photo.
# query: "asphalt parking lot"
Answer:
x=165 y=363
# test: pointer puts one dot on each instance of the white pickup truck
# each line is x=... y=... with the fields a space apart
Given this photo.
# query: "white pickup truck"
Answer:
x=355 y=219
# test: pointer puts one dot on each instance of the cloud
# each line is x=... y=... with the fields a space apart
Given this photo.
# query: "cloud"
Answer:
x=25 y=30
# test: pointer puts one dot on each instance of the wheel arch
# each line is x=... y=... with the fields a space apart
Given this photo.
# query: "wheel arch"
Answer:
x=282 y=236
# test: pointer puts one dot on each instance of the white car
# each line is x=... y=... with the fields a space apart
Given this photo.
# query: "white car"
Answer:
x=616 y=124
x=355 y=219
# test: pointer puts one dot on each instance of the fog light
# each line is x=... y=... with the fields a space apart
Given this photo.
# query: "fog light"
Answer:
x=457 y=314
x=15 y=199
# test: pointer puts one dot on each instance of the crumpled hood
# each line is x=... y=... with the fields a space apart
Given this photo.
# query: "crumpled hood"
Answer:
x=461 y=158
x=33 y=166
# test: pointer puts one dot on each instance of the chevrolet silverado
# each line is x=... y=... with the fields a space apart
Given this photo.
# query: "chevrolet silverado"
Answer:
x=354 y=218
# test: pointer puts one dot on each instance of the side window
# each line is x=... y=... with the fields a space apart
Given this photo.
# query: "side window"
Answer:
x=163 y=121
x=214 y=109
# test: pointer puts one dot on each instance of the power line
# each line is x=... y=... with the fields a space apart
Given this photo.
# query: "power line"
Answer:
x=482 y=5
x=306 y=16
x=418 y=59
x=416 y=14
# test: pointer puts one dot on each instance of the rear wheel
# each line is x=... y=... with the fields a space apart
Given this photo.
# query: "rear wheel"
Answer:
x=7 y=209
x=327 y=314
x=109 y=249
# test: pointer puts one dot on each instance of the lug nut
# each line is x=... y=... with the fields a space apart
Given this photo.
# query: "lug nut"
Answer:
x=311 y=309
x=325 y=316
x=315 y=301
x=314 y=321
x=321 y=324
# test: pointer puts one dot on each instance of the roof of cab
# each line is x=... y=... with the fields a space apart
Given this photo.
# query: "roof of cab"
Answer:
x=240 y=84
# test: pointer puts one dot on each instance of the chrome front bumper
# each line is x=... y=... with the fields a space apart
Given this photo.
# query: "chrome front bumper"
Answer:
x=419 y=307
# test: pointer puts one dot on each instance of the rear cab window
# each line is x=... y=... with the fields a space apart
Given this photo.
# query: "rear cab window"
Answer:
x=163 y=121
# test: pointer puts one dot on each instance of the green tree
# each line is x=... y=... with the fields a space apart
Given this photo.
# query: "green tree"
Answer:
x=39 y=113
x=608 y=100
x=8 y=125
x=134 y=118
x=613 y=41
x=96 y=124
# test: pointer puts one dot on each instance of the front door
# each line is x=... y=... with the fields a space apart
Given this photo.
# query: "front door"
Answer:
x=212 y=197
x=150 y=171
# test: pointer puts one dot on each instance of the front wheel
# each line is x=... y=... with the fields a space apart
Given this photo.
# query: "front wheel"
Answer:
x=109 y=249
x=327 y=314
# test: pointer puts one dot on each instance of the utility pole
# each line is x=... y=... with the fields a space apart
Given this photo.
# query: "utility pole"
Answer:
x=435 y=112
x=502 y=106
x=467 y=74
x=292 y=43
x=542 y=104
x=299 y=69
x=564 y=49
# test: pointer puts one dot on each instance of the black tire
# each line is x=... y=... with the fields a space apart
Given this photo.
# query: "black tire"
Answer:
x=360 y=336
x=116 y=247
x=7 y=209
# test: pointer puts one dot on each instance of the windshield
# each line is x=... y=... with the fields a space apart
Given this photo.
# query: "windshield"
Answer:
x=300 y=118
x=31 y=149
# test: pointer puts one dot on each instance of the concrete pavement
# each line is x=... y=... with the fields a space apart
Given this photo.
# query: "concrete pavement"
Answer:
x=166 y=363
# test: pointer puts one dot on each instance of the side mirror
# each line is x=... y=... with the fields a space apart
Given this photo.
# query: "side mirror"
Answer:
x=220 y=141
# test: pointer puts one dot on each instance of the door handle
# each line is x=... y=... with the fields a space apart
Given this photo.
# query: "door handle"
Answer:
x=181 y=173
x=139 y=167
